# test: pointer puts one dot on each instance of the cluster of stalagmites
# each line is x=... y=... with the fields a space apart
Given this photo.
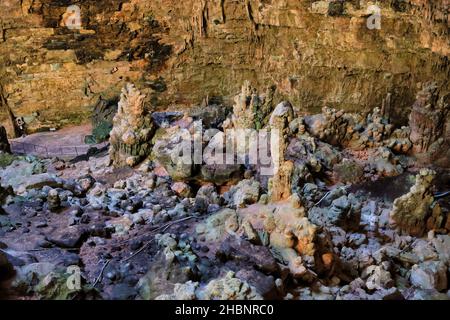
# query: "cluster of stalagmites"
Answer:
x=251 y=110
x=355 y=132
x=245 y=234
x=305 y=150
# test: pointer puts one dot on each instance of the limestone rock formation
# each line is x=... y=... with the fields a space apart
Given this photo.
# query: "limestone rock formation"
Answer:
x=353 y=131
x=429 y=275
x=323 y=225
x=216 y=168
x=244 y=193
x=251 y=110
x=172 y=149
x=228 y=287
x=417 y=211
x=290 y=234
x=133 y=129
x=429 y=122
x=218 y=226
x=344 y=211
x=280 y=183
x=384 y=163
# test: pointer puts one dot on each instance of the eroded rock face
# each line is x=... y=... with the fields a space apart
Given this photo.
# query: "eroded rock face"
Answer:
x=102 y=120
x=416 y=211
x=194 y=50
x=430 y=126
x=132 y=130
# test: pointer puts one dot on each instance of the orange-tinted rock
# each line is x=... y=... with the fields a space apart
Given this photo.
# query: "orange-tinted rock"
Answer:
x=184 y=51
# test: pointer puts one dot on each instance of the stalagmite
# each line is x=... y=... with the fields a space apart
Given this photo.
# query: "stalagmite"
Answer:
x=133 y=129
x=280 y=183
x=430 y=126
x=417 y=211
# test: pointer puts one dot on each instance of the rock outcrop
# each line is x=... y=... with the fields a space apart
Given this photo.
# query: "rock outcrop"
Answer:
x=173 y=150
x=132 y=130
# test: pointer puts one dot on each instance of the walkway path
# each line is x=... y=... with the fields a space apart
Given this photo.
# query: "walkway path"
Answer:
x=67 y=142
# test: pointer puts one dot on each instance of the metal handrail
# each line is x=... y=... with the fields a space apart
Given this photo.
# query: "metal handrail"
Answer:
x=19 y=147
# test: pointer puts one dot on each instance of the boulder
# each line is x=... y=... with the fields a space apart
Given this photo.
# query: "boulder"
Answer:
x=173 y=150
x=377 y=278
x=182 y=189
x=344 y=211
x=244 y=193
x=228 y=287
x=71 y=237
x=218 y=226
x=216 y=169
x=429 y=275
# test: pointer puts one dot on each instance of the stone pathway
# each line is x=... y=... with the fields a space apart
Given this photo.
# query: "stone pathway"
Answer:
x=67 y=142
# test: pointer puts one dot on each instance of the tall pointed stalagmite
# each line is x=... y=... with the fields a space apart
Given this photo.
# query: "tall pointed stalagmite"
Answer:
x=133 y=129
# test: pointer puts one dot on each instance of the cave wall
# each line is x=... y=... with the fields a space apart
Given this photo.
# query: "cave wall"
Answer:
x=181 y=52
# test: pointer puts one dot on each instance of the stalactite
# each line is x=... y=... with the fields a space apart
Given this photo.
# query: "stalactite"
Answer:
x=222 y=8
x=2 y=31
x=200 y=18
